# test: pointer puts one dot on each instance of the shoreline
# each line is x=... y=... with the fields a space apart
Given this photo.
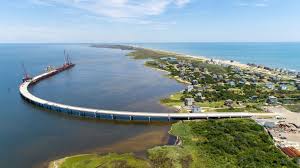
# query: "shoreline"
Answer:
x=207 y=58
x=191 y=150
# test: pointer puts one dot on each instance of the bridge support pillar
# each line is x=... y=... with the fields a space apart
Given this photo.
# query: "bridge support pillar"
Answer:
x=112 y=116
x=130 y=118
x=149 y=119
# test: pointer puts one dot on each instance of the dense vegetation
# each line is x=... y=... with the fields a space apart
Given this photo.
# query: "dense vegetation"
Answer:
x=213 y=143
x=220 y=143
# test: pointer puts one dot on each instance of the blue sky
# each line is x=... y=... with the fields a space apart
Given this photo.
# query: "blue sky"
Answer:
x=149 y=20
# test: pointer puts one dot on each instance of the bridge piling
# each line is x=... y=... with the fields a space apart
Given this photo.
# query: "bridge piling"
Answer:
x=97 y=113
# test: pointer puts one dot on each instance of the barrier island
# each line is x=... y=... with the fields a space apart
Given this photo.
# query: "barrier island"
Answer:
x=212 y=85
x=220 y=85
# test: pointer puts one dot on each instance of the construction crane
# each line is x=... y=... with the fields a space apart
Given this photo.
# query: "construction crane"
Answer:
x=26 y=76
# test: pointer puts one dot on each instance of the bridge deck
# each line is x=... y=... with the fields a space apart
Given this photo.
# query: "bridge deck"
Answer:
x=90 y=112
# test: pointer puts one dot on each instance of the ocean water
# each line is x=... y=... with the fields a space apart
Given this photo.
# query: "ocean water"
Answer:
x=102 y=78
x=276 y=55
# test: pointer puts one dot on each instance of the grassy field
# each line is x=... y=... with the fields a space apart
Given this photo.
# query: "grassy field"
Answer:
x=111 y=160
x=204 y=144
x=173 y=100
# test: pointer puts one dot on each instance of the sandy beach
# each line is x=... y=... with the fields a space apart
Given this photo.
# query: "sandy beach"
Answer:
x=218 y=61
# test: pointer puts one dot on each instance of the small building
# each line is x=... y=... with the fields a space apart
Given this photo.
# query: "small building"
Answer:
x=283 y=87
x=189 y=88
x=199 y=94
x=270 y=86
x=199 y=97
x=241 y=82
x=272 y=100
x=196 y=109
x=195 y=82
x=298 y=87
x=188 y=101
x=228 y=103
x=231 y=83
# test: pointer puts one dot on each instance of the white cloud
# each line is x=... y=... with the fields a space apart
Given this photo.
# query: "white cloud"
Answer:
x=119 y=8
x=181 y=3
x=257 y=3
x=261 y=5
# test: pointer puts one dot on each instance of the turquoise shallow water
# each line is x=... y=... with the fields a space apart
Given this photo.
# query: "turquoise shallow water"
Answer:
x=276 y=55
x=102 y=78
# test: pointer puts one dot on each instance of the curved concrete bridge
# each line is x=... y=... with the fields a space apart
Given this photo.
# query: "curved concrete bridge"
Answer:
x=119 y=115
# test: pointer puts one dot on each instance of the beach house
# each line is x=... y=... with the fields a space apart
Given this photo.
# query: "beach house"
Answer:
x=272 y=100
x=189 y=88
x=188 y=101
x=196 y=109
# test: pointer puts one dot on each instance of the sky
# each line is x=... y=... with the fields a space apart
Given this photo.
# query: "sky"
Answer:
x=73 y=21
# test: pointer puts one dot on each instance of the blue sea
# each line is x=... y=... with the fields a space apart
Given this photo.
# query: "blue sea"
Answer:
x=275 y=55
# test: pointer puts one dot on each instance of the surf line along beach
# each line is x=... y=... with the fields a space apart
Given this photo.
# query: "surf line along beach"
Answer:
x=113 y=114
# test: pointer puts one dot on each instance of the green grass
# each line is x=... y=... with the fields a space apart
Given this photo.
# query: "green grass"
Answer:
x=173 y=100
x=111 y=160
x=216 y=104
x=293 y=108
x=242 y=109
x=170 y=157
x=248 y=108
